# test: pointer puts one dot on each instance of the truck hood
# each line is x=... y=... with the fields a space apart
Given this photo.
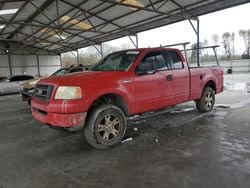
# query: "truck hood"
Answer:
x=81 y=78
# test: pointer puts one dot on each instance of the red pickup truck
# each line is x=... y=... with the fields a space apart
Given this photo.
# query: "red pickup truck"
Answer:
x=123 y=84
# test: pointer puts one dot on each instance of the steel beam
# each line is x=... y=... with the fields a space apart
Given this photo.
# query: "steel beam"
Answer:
x=38 y=65
x=135 y=43
x=10 y=65
x=34 y=15
x=14 y=16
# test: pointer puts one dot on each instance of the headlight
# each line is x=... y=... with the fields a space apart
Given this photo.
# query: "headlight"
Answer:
x=68 y=92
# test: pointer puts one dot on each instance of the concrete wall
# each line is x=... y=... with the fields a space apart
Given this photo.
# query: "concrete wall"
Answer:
x=36 y=65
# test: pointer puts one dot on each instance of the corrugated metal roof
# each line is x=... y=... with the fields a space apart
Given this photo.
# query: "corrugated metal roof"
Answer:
x=81 y=23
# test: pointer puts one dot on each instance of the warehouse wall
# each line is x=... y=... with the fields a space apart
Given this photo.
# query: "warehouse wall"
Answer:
x=36 y=65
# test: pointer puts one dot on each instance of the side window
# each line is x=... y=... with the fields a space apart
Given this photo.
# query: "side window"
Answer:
x=152 y=61
x=168 y=59
x=159 y=62
x=176 y=60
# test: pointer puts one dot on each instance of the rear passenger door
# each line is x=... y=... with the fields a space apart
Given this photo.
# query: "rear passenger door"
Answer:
x=181 y=77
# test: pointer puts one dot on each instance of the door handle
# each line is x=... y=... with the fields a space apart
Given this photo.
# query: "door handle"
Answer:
x=169 y=77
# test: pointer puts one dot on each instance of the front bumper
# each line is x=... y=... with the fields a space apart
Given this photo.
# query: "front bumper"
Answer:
x=60 y=120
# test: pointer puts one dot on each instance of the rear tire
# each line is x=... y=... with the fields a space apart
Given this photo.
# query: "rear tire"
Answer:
x=207 y=100
x=105 y=126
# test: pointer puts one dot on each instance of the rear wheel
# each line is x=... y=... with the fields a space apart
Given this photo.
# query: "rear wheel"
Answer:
x=207 y=100
x=105 y=126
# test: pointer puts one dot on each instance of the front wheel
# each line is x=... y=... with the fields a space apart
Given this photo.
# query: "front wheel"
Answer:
x=207 y=100
x=105 y=126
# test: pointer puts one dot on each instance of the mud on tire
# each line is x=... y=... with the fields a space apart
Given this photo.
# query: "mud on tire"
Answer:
x=105 y=126
x=207 y=100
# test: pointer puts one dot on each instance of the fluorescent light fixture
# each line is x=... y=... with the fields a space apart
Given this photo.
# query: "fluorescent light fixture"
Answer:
x=59 y=36
x=8 y=11
x=2 y=26
x=136 y=3
x=53 y=33
x=75 y=22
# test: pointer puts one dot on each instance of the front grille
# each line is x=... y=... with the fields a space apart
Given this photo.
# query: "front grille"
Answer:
x=43 y=92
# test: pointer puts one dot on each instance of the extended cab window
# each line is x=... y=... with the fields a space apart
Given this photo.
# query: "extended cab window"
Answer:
x=176 y=60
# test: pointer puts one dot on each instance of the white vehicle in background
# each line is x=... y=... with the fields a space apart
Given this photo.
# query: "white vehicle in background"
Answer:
x=12 y=84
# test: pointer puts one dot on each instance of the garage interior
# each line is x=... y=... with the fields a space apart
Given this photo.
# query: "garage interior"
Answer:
x=172 y=148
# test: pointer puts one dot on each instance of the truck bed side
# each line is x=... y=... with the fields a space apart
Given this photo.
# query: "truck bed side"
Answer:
x=200 y=76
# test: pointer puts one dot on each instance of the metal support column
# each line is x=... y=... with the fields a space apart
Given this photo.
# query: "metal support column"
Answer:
x=215 y=55
x=100 y=51
x=61 y=60
x=77 y=57
x=197 y=32
x=38 y=65
x=10 y=66
x=185 y=51
x=198 y=41
x=136 y=42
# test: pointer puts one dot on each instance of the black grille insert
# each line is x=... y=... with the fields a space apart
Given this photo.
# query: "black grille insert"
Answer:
x=43 y=92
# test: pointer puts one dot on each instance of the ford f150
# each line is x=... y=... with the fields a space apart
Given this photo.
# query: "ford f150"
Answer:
x=123 y=84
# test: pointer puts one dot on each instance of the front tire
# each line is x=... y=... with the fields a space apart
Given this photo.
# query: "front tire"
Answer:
x=105 y=126
x=207 y=100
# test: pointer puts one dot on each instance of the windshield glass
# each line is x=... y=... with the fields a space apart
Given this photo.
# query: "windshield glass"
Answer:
x=118 y=61
x=60 y=72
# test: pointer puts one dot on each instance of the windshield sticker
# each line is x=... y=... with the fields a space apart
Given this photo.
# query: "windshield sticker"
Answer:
x=133 y=52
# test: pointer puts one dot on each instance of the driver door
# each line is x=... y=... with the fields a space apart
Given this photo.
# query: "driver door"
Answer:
x=151 y=88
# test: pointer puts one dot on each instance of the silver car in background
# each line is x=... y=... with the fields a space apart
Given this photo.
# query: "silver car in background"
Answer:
x=12 y=84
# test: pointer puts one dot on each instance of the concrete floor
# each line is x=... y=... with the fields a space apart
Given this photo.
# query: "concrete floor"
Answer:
x=181 y=148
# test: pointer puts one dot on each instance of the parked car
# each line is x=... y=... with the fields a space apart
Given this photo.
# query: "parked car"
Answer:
x=2 y=78
x=29 y=86
x=123 y=84
x=12 y=84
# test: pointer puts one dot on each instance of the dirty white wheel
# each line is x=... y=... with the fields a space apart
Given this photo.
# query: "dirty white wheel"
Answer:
x=105 y=126
x=207 y=100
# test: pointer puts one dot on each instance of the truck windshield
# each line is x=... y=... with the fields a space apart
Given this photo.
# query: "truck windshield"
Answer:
x=118 y=61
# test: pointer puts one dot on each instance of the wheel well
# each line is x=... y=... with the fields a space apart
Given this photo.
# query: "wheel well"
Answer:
x=211 y=84
x=110 y=99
